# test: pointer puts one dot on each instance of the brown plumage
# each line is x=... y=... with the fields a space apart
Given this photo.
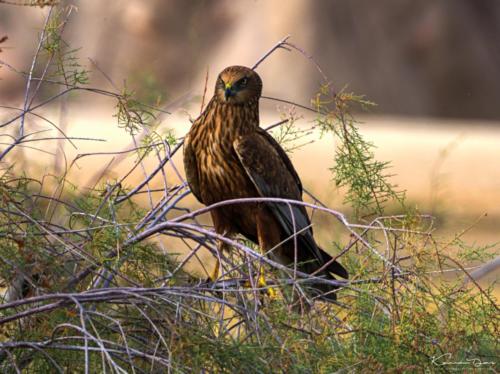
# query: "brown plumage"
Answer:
x=228 y=156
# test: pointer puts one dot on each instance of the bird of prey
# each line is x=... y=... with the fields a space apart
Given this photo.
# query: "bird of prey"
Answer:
x=228 y=156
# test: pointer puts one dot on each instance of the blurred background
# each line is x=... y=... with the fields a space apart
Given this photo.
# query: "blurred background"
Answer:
x=432 y=68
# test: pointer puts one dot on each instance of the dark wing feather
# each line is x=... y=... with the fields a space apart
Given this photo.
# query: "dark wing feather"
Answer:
x=273 y=175
x=284 y=157
x=191 y=169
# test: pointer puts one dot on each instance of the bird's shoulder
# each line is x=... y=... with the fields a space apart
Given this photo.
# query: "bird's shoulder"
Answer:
x=268 y=165
x=283 y=156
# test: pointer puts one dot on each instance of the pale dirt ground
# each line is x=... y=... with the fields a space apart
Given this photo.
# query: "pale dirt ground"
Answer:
x=449 y=168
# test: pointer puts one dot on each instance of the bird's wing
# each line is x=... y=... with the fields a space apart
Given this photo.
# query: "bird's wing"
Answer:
x=191 y=169
x=273 y=175
x=284 y=157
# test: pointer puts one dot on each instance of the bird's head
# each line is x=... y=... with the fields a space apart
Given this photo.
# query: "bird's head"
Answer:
x=238 y=85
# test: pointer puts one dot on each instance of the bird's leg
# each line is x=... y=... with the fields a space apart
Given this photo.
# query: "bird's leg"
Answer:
x=221 y=228
x=215 y=273
x=268 y=235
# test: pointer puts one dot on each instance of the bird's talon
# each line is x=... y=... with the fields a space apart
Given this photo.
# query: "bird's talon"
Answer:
x=273 y=295
x=271 y=292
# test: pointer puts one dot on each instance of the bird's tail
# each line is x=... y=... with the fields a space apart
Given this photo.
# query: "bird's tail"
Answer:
x=326 y=291
x=334 y=267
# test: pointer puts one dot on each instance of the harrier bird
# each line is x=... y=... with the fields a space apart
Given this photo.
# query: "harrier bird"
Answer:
x=228 y=156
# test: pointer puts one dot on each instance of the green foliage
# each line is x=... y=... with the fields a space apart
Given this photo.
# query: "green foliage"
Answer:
x=290 y=136
x=137 y=109
x=470 y=253
x=62 y=58
x=155 y=140
x=169 y=136
x=366 y=179
x=132 y=115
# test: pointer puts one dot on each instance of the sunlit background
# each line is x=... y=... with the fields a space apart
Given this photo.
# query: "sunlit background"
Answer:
x=432 y=68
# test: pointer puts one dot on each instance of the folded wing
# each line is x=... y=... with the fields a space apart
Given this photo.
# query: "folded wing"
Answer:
x=273 y=175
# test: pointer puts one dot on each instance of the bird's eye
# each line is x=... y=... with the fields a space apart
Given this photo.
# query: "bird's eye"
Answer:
x=243 y=82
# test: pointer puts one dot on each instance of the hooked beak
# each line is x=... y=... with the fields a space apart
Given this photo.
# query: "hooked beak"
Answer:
x=228 y=92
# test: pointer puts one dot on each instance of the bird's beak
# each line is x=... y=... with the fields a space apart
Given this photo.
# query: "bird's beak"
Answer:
x=228 y=92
